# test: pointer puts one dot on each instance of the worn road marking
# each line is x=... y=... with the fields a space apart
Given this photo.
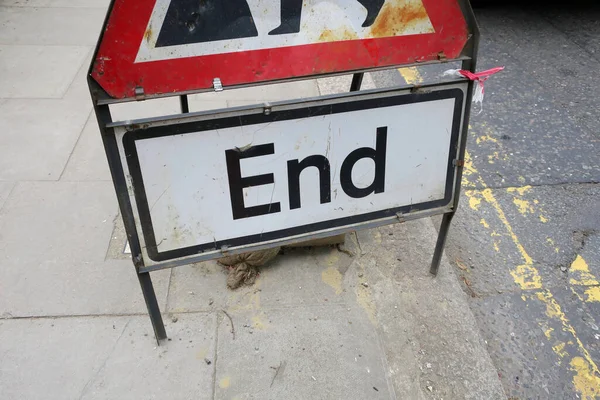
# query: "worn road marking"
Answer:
x=528 y=277
x=332 y=277
x=411 y=75
x=524 y=206
x=587 y=376
x=225 y=382
x=581 y=276
x=586 y=379
x=581 y=273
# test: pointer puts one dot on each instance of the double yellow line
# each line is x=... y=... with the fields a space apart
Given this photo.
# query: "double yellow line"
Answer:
x=526 y=276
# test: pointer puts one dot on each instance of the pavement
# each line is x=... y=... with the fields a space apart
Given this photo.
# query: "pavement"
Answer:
x=367 y=322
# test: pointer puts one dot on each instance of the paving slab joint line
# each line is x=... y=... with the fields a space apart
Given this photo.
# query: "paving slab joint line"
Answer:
x=141 y=314
x=168 y=295
x=108 y=355
x=190 y=312
x=113 y=234
x=10 y=192
x=386 y=365
x=215 y=356
x=74 y=147
x=83 y=66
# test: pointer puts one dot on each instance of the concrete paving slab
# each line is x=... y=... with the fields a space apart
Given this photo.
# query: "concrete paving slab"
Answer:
x=38 y=136
x=305 y=277
x=430 y=344
x=105 y=358
x=176 y=370
x=145 y=109
x=341 y=84
x=54 y=358
x=88 y=160
x=78 y=92
x=198 y=287
x=429 y=335
x=22 y=75
x=48 y=127
x=166 y=106
x=300 y=353
x=272 y=92
x=205 y=101
x=299 y=277
x=118 y=248
x=55 y=238
x=50 y=26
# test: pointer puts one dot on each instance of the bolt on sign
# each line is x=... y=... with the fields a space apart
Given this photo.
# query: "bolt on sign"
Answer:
x=197 y=186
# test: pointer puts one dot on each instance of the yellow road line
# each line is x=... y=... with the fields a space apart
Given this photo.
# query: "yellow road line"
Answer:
x=587 y=376
x=581 y=273
x=411 y=75
x=581 y=276
x=585 y=380
x=524 y=275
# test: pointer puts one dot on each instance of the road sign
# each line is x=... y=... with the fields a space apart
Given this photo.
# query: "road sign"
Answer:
x=160 y=47
x=208 y=184
x=198 y=186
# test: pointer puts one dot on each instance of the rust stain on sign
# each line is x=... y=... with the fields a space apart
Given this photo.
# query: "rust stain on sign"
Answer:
x=397 y=17
x=148 y=34
x=342 y=33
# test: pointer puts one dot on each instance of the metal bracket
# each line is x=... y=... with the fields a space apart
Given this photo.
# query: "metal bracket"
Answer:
x=217 y=85
x=137 y=261
x=267 y=109
x=418 y=89
x=139 y=93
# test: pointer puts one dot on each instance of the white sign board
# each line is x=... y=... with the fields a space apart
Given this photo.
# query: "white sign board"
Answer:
x=200 y=185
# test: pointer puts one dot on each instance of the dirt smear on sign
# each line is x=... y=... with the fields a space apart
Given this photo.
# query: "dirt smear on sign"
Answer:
x=148 y=34
x=334 y=35
x=401 y=17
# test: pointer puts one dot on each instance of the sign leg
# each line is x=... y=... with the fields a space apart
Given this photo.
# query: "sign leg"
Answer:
x=356 y=82
x=153 y=308
x=441 y=242
x=183 y=100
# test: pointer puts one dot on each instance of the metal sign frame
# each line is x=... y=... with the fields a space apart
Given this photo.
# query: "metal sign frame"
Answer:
x=102 y=101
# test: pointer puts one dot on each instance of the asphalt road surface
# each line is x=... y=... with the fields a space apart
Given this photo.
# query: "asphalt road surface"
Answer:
x=526 y=240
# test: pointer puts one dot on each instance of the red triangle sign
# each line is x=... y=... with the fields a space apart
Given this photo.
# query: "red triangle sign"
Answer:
x=174 y=46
